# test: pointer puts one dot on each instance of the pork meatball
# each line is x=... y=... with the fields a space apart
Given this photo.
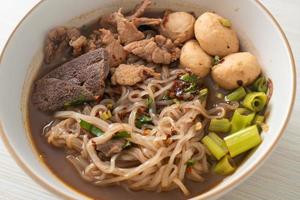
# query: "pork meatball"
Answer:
x=238 y=69
x=194 y=59
x=215 y=35
x=179 y=26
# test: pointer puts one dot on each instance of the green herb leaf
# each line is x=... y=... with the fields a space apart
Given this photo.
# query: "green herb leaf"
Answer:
x=190 y=163
x=122 y=134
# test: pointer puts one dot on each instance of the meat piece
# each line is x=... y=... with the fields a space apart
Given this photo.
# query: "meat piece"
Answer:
x=158 y=49
x=132 y=74
x=79 y=80
x=127 y=31
x=57 y=42
x=78 y=45
x=110 y=148
x=139 y=10
x=146 y=21
x=116 y=52
x=52 y=94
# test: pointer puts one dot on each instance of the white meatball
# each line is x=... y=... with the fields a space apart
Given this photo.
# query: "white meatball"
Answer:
x=215 y=35
x=179 y=26
x=236 y=70
x=194 y=59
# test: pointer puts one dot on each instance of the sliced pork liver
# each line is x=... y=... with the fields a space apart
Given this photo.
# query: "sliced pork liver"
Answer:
x=81 y=79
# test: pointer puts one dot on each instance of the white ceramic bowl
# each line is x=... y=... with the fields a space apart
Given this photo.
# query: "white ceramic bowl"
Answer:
x=258 y=31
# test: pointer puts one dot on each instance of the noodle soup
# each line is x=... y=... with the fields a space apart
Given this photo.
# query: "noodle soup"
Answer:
x=132 y=101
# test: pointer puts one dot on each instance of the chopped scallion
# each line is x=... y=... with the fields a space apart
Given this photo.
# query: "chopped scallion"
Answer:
x=203 y=94
x=242 y=140
x=122 y=134
x=236 y=95
x=190 y=163
x=261 y=84
x=217 y=151
x=149 y=102
x=96 y=131
x=144 y=119
x=241 y=119
x=190 y=78
x=219 y=125
x=79 y=101
x=218 y=140
x=106 y=115
x=259 y=119
x=127 y=144
x=90 y=128
x=255 y=101
x=224 y=166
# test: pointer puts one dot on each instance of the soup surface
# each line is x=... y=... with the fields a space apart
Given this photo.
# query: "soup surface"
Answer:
x=163 y=104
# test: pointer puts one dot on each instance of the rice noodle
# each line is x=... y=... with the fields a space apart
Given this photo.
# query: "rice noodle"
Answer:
x=161 y=149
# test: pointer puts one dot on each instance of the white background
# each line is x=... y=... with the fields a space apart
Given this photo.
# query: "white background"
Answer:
x=278 y=178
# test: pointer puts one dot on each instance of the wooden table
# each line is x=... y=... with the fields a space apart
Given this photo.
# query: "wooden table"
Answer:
x=278 y=178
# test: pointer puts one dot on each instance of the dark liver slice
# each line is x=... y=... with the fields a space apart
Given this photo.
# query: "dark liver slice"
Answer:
x=81 y=79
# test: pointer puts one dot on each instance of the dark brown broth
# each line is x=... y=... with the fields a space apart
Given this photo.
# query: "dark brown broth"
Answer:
x=55 y=159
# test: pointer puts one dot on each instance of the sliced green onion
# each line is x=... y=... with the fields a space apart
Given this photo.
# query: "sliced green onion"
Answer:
x=190 y=163
x=240 y=119
x=242 y=140
x=219 y=141
x=192 y=88
x=203 y=94
x=259 y=119
x=224 y=166
x=149 y=102
x=106 y=115
x=190 y=78
x=216 y=60
x=122 y=134
x=225 y=22
x=85 y=125
x=261 y=84
x=219 y=125
x=90 y=128
x=96 y=131
x=236 y=95
x=79 y=101
x=255 y=101
x=144 y=119
x=213 y=147
x=127 y=144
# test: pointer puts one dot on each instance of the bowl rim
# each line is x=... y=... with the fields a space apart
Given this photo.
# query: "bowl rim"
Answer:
x=209 y=194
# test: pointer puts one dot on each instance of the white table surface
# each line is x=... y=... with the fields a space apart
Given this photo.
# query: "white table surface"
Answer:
x=278 y=178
